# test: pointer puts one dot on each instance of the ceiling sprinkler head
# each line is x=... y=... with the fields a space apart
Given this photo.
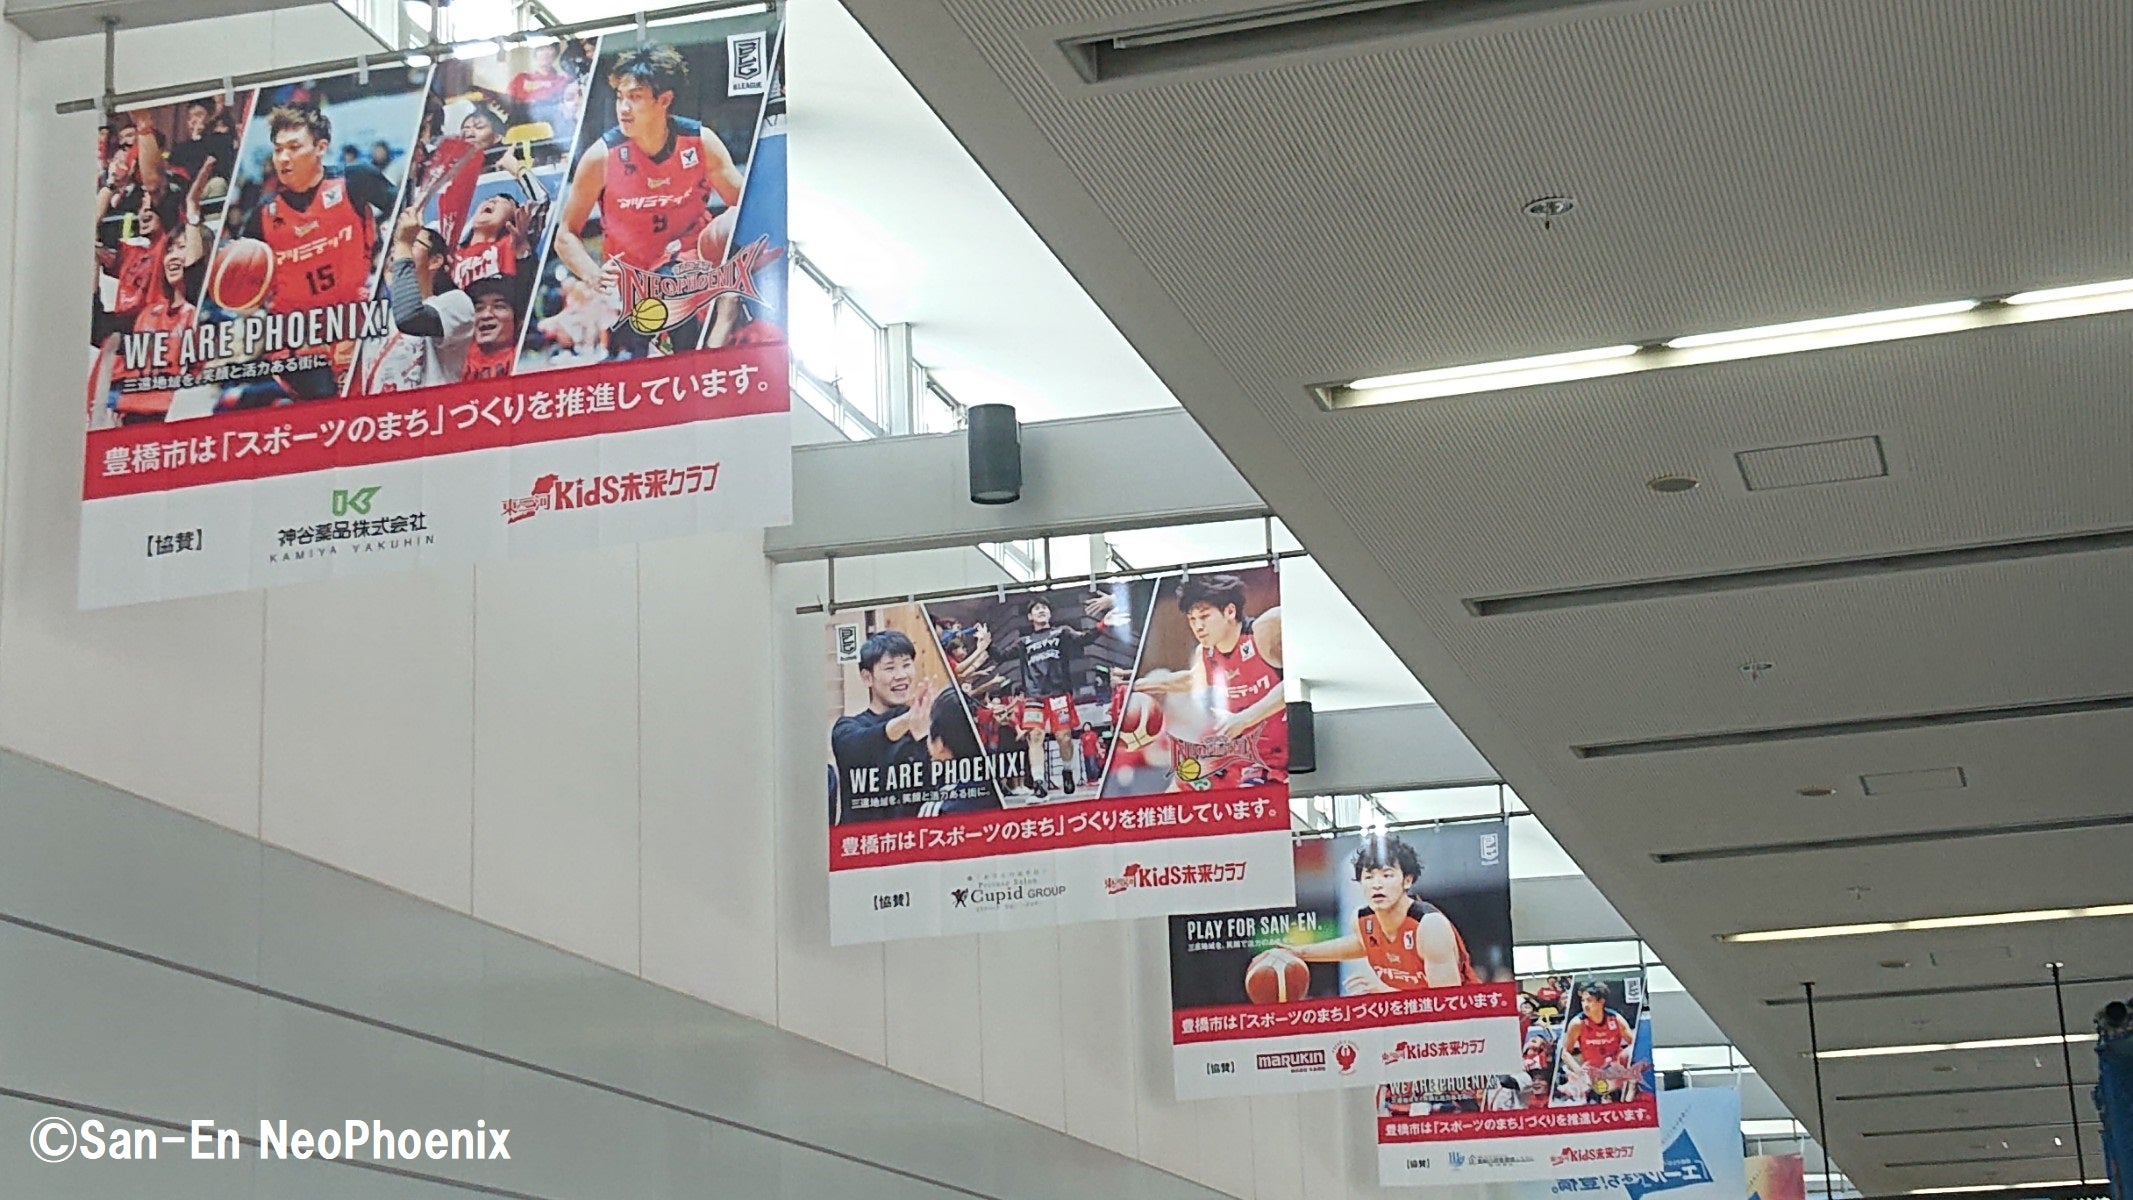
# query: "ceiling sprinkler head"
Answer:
x=1548 y=208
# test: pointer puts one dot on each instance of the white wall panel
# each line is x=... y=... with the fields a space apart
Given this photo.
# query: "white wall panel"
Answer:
x=931 y=997
x=1019 y=1024
x=556 y=833
x=832 y=994
x=368 y=728
x=1096 y=1019
x=1277 y=1151
x=707 y=750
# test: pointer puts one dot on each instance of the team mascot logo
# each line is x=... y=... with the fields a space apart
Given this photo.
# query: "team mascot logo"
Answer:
x=656 y=301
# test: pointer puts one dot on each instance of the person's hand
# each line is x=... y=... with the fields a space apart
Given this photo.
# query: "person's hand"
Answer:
x=194 y=194
x=1098 y=606
x=1232 y=726
x=984 y=636
x=610 y=281
x=921 y=724
x=407 y=232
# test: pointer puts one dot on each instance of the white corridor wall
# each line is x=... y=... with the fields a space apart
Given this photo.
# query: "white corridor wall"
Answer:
x=617 y=753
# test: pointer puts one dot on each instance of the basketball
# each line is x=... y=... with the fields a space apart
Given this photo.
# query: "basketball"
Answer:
x=649 y=316
x=1277 y=976
x=1140 y=723
x=243 y=271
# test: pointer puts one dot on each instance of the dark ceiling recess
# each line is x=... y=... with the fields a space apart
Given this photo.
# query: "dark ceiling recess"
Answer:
x=1671 y=743
x=1820 y=572
x=1277 y=29
x=1871 y=841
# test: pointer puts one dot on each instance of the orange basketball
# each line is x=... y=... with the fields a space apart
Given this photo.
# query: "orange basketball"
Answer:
x=242 y=273
x=1141 y=721
x=1277 y=976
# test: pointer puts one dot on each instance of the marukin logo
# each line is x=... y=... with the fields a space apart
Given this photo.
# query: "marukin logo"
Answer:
x=655 y=301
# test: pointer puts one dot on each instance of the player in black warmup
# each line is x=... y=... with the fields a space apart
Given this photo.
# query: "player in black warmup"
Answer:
x=891 y=731
x=1048 y=687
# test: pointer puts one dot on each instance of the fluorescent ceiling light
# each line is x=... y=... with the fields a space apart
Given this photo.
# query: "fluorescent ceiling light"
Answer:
x=2009 y=1187
x=1892 y=316
x=2079 y=291
x=2029 y=917
x=1757 y=341
x=2050 y=1039
x=1505 y=367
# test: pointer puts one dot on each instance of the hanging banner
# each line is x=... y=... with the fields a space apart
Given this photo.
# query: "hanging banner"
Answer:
x=1699 y=1130
x=1776 y=1177
x=398 y=318
x=1393 y=964
x=1039 y=757
x=1584 y=1104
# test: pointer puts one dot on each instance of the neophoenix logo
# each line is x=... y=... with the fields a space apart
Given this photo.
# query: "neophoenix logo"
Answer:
x=653 y=301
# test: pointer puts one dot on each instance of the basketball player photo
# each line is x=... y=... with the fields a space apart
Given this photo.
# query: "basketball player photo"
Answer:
x=647 y=219
x=1212 y=686
x=308 y=227
x=1406 y=912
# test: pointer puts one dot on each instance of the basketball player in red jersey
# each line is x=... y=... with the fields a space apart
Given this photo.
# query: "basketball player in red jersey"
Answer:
x=1598 y=1042
x=321 y=221
x=1410 y=944
x=652 y=177
x=1236 y=674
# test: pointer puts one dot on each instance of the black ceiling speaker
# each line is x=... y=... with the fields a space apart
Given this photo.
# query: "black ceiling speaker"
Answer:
x=1303 y=739
x=994 y=438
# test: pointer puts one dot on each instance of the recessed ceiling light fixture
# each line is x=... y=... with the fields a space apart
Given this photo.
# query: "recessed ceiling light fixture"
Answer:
x=1668 y=485
x=2009 y=1187
x=1727 y=345
x=2029 y=917
x=2049 y=1039
x=1816 y=791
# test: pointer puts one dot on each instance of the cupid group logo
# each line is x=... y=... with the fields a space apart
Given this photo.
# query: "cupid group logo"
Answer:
x=353 y=500
x=656 y=301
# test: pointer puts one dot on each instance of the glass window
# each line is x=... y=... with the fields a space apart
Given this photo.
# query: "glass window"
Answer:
x=1688 y=1058
x=1660 y=979
x=1529 y=961
x=858 y=356
x=813 y=313
x=1535 y=855
x=1772 y=1127
x=1586 y=956
x=1441 y=804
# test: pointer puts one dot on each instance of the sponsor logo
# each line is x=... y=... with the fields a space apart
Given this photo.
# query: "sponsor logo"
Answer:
x=1683 y=1167
x=1491 y=849
x=1007 y=889
x=689 y=158
x=848 y=643
x=1406 y=1051
x=747 y=63
x=1590 y=1154
x=353 y=500
x=1181 y=875
x=1344 y=1054
x=1459 y=1161
x=553 y=493
x=653 y=301
x=363 y=534
x=1222 y=1068
x=1297 y=1061
x=892 y=900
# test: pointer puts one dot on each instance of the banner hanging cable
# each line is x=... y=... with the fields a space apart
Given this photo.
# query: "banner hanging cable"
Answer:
x=1814 y=1050
x=2066 y=1059
x=1048 y=582
x=111 y=100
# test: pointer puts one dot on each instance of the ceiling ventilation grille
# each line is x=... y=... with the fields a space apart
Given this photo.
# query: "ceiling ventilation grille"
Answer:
x=1821 y=572
x=1845 y=460
x=1277 y=29
x=1892 y=783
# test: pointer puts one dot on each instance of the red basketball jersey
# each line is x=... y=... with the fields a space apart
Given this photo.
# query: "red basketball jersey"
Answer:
x=1601 y=1044
x=322 y=255
x=1395 y=957
x=654 y=205
x=489 y=364
x=1240 y=679
x=140 y=261
x=483 y=259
